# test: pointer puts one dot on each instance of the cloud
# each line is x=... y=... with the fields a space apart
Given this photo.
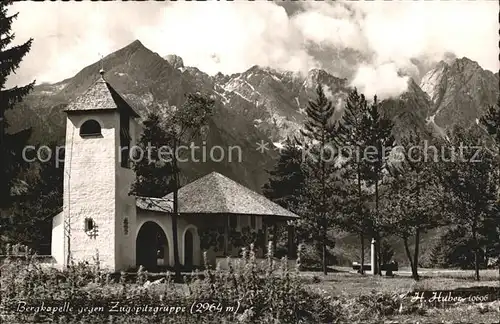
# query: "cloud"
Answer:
x=239 y=35
x=391 y=35
x=382 y=80
x=69 y=36
x=372 y=43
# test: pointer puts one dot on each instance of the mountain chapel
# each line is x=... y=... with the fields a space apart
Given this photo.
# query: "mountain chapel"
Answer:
x=101 y=220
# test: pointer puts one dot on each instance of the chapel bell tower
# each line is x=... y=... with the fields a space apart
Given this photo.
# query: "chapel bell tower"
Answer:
x=98 y=216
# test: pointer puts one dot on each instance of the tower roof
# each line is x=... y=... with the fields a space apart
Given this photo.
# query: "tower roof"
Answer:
x=100 y=96
x=215 y=194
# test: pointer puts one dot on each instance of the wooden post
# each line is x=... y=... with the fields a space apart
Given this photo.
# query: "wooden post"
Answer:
x=226 y=234
x=275 y=233
x=291 y=245
x=266 y=237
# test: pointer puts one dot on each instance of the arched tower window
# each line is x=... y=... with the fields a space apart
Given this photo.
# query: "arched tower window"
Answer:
x=89 y=224
x=90 y=128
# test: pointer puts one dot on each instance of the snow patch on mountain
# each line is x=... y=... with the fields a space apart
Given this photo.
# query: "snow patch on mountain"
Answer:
x=224 y=98
x=275 y=77
x=238 y=85
x=278 y=145
x=439 y=130
x=431 y=81
x=242 y=96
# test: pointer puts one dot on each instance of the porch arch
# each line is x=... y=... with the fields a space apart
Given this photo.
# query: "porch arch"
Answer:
x=152 y=245
x=191 y=252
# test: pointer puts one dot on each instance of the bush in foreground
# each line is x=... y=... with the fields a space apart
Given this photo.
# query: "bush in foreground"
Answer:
x=249 y=292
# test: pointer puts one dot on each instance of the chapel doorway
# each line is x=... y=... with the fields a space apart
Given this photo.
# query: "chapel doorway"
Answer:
x=151 y=247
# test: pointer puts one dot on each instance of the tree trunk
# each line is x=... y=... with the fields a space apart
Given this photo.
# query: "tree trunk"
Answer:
x=476 y=252
x=361 y=237
x=325 y=268
x=177 y=265
x=408 y=253
x=414 y=269
x=323 y=208
x=360 y=202
x=275 y=238
x=378 y=239
x=377 y=251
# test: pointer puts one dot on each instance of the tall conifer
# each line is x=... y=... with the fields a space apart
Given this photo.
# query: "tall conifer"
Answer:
x=377 y=132
x=320 y=157
x=356 y=215
x=11 y=144
x=286 y=181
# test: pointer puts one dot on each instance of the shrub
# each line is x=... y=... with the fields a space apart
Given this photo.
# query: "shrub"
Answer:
x=455 y=250
x=255 y=292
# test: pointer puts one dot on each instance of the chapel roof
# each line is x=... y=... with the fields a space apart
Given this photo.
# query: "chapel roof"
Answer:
x=100 y=96
x=215 y=193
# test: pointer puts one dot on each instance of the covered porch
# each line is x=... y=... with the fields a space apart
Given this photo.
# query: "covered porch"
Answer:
x=218 y=216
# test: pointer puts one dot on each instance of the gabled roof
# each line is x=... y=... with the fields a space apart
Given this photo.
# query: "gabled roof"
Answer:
x=215 y=193
x=100 y=96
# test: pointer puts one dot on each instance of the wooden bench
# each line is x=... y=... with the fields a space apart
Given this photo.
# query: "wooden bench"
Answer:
x=388 y=267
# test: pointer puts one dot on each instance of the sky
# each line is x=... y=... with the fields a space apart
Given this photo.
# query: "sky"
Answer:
x=370 y=43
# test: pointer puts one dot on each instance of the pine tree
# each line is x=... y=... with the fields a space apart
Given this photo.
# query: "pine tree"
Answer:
x=286 y=182
x=377 y=132
x=320 y=157
x=287 y=178
x=154 y=172
x=356 y=213
x=11 y=144
x=492 y=122
x=472 y=182
x=35 y=209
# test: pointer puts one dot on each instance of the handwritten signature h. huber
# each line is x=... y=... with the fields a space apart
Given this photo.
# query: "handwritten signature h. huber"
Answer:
x=447 y=297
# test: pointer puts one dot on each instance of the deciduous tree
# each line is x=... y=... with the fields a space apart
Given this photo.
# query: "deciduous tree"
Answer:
x=413 y=200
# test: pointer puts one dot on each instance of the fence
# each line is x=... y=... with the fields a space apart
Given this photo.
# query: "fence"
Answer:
x=20 y=251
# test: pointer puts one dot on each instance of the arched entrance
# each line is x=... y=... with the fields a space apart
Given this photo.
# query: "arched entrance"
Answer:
x=188 y=248
x=151 y=246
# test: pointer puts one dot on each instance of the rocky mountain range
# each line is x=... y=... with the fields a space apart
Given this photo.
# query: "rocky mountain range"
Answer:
x=258 y=104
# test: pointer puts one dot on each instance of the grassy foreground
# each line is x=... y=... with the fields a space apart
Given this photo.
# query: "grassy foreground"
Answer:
x=249 y=292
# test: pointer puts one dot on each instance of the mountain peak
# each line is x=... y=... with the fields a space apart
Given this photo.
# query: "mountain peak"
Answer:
x=175 y=60
x=460 y=63
x=465 y=63
x=135 y=44
x=260 y=69
x=130 y=48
